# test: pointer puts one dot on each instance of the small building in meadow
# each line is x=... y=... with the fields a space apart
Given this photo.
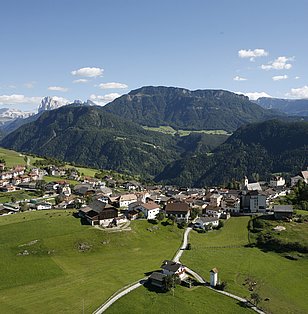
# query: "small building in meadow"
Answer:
x=283 y=211
x=213 y=277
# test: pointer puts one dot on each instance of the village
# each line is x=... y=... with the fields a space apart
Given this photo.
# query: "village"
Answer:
x=108 y=203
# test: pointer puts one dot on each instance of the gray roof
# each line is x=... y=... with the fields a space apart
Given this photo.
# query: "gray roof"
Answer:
x=206 y=219
x=157 y=276
x=171 y=265
x=283 y=208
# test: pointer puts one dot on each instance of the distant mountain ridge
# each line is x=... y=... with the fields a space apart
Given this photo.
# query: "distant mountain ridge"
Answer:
x=258 y=149
x=88 y=135
x=181 y=108
x=296 y=107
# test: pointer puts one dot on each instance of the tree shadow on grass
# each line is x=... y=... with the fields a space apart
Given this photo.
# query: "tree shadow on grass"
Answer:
x=152 y=288
x=83 y=221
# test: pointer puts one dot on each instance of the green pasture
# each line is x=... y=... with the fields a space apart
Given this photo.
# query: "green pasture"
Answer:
x=57 y=275
x=197 y=300
x=13 y=158
x=172 y=131
x=280 y=280
x=18 y=195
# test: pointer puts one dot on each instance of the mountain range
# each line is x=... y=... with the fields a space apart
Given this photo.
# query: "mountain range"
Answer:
x=184 y=109
x=117 y=136
x=294 y=107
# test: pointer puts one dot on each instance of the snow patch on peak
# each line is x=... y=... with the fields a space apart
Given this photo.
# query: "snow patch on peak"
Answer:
x=50 y=103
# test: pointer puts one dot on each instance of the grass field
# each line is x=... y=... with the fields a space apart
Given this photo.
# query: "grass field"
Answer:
x=55 y=179
x=281 y=280
x=195 y=300
x=18 y=195
x=172 y=131
x=13 y=158
x=57 y=277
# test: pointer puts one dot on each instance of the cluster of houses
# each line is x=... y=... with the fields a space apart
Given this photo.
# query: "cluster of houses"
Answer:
x=12 y=178
x=211 y=205
x=107 y=208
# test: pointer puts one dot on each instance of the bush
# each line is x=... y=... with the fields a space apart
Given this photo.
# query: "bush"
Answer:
x=188 y=247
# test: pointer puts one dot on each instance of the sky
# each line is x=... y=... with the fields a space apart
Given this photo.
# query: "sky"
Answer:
x=101 y=49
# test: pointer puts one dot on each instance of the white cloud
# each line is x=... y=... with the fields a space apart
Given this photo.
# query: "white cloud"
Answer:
x=279 y=77
x=238 y=78
x=112 y=85
x=88 y=72
x=29 y=84
x=103 y=100
x=254 y=95
x=301 y=92
x=18 y=99
x=80 y=81
x=297 y=77
x=281 y=63
x=252 y=54
x=58 y=88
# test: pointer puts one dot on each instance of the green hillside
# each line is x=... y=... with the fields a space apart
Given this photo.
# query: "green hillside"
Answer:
x=92 y=137
x=181 y=108
x=257 y=149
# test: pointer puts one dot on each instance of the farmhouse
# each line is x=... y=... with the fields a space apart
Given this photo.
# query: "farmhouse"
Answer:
x=157 y=279
x=180 y=210
x=203 y=222
x=173 y=268
x=283 y=211
x=99 y=213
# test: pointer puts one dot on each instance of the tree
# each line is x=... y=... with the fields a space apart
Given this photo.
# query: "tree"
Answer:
x=195 y=212
x=220 y=224
x=24 y=206
x=172 y=218
x=13 y=199
x=59 y=198
x=255 y=298
x=170 y=282
x=141 y=215
x=160 y=216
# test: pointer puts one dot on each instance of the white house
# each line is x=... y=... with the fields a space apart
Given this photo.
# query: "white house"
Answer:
x=43 y=206
x=213 y=211
x=150 y=210
x=127 y=199
x=302 y=176
x=231 y=204
x=215 y=199
x=203 y=222
x=173 y=268
x=277 y=181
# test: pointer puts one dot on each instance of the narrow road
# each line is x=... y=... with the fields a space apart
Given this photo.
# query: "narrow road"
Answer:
x=179 y=253
x=125 y=290
x=119 y=294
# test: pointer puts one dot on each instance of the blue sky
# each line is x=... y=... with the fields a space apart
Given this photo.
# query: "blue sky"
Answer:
x=99 y=49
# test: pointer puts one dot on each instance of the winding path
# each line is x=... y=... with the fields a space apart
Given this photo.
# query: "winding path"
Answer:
x=125 y=290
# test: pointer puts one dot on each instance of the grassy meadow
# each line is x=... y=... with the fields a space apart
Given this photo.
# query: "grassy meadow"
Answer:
x=282 y=281
x=171 y=131
x=197 y=300
x=54 y=264
x=18 y=195
x=13 y=158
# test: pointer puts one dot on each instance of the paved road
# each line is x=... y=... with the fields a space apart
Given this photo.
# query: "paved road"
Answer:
x=119 y=295
x=183 y=246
